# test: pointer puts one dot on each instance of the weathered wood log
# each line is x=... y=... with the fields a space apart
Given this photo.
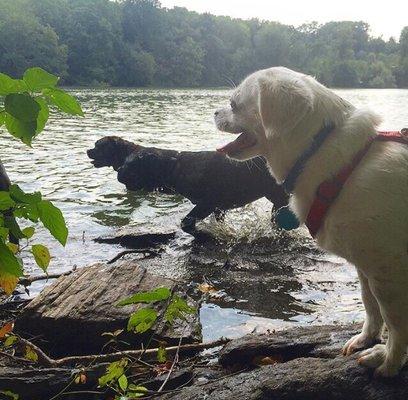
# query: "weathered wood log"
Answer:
x=72 y=313
x=308 y=366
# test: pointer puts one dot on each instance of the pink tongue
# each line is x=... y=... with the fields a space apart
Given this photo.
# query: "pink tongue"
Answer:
x=241 y=142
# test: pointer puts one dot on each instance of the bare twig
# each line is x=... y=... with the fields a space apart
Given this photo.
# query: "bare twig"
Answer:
x=123 y=253
x=47 y=361
x=175 y=361
x=28 y=280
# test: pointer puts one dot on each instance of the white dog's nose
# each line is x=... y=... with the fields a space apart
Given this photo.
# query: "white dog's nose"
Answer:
x=216 y=113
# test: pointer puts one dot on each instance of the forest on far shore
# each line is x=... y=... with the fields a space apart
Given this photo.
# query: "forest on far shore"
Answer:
x=139 y=43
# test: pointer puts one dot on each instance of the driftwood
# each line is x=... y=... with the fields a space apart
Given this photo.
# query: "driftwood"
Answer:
x=28 y=280
x=71 y=314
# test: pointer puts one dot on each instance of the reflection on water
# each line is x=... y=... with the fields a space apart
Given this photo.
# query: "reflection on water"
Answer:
x=95 y=204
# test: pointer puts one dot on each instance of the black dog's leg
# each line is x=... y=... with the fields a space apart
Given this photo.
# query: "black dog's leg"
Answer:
x=198 y=213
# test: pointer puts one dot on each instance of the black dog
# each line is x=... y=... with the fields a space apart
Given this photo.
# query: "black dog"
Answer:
x=208 y=179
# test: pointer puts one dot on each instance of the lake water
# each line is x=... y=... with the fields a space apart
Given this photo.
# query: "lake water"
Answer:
x=95 y=204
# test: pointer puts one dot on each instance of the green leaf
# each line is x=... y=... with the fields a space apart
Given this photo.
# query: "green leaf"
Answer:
x=123 y=382
x=30 y=354
x=42 y=115
x=13 y=247
x=10 y=269
x=6 y=202
x=178 y=308
x=11 y=395
x=19 y=196
x=22 y=107
x=136 y=391
x=113 y=371
x=4 y=233
x=28 y=211
x=2 y=118
x=161 y=354
x=158 y=294
x=64 y=101
x=9 y=85
x=53 y=220
x=38 y=79
x=28 y=232
x=25 y=131
x=11 y=223
x=10 y=341
x=142 y=320
x=41 y=256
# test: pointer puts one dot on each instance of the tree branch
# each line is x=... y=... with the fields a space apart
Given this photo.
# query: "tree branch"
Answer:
x=47 y=361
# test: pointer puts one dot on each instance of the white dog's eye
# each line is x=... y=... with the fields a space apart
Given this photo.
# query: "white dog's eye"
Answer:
x=234 y=106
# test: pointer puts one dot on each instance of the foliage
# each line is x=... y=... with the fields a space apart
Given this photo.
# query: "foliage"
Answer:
x=144 y=319
x=27 y=103
x=153 y=296
x=139 y=43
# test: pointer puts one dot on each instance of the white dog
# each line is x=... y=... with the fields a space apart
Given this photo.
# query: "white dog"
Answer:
x=278 y=113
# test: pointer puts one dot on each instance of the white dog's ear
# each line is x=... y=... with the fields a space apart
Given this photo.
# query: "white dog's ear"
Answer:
x=283 y=104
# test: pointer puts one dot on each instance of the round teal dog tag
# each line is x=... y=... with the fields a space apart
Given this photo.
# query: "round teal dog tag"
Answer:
x=286 y=219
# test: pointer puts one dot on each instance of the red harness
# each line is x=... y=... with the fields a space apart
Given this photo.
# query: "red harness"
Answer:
x=328 y=191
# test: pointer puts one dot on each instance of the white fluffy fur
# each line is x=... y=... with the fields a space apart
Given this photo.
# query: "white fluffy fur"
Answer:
x=368 y=222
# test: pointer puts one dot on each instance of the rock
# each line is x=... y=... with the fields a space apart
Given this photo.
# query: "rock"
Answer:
x=73 y=312
x=322 y=342
x=138 y=239
x=309 y=366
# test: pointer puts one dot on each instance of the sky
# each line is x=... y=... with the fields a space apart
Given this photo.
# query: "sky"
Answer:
x=386 y=17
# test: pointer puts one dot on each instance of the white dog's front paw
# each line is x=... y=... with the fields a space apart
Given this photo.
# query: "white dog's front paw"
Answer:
x=387 y=371
x=374 y=357
x=359 y=342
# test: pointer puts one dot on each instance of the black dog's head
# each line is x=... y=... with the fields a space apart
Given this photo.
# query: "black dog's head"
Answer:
x=148 y=169
x=111 y=151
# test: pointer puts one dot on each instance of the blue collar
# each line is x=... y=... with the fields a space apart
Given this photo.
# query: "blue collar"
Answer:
x=290 y=181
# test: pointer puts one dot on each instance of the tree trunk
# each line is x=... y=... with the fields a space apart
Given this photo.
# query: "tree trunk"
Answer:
x=4 y=179
x=4 y=186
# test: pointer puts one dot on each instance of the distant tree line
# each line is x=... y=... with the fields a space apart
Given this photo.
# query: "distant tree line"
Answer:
x=139 y=43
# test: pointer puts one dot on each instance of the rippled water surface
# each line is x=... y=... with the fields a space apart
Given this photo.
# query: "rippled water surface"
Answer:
x=95 y=204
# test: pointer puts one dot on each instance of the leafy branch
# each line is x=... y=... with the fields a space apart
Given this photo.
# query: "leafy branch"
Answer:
x=24 y=115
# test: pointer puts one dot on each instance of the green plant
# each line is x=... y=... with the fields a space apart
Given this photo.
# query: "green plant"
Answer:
x=141 y=321
x=24 y=114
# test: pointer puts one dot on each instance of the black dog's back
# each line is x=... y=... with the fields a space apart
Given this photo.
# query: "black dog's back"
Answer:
x=209 y=177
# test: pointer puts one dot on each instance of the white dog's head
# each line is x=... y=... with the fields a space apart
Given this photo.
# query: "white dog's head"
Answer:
x=277 y=105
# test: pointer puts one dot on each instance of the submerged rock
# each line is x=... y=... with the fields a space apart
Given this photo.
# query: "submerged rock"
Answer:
x=71 y=314
x=138 y=239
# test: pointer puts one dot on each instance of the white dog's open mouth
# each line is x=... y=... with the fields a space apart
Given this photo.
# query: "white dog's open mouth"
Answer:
x=244 y=141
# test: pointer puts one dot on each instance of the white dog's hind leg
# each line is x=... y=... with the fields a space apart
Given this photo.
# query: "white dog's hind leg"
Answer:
x=391 y=296
x=373 y=323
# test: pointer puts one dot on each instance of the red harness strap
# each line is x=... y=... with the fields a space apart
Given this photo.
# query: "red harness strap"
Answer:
x=328 y=191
